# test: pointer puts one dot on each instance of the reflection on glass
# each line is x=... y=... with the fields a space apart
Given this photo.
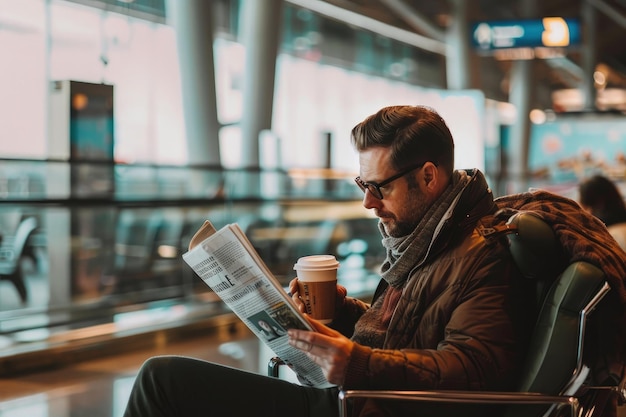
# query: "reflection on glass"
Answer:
x=29 y=406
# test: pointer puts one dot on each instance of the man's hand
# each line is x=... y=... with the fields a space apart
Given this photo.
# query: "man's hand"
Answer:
x=295 y=296
x=328 y=348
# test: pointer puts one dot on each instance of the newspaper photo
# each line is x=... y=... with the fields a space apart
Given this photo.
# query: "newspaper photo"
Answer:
x=228 y=263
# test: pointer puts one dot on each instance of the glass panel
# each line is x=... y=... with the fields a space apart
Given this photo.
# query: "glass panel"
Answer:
x=71 y=261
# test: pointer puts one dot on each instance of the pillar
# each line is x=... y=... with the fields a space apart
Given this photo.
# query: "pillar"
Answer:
x=260 y=24
x=520 y=79
x=457 y=48
x=193 y=22
x=588 y=13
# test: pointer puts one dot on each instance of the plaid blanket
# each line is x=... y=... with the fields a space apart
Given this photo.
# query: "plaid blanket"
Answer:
x=585 y=238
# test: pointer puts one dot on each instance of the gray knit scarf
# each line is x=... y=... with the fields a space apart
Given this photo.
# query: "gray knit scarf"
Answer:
x=406 y=252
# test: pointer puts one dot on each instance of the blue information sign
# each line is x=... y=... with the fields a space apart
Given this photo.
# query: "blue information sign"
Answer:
x=550 y=32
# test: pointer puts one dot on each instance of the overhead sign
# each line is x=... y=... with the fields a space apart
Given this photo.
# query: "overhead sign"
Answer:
x=549 y=32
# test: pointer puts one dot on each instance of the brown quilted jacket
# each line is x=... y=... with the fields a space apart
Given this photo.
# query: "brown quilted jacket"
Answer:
x=456 y=324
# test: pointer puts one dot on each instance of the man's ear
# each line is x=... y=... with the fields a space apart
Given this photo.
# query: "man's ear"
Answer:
x=432 y=176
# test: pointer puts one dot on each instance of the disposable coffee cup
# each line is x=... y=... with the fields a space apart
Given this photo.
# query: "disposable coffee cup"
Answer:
x=317 y=284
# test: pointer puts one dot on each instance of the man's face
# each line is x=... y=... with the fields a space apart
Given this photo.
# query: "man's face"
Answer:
x=404 y=202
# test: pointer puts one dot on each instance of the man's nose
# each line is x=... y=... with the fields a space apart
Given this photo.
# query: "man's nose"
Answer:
x=369 y=201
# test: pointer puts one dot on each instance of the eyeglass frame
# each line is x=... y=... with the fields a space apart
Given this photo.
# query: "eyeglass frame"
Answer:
x=365 y=186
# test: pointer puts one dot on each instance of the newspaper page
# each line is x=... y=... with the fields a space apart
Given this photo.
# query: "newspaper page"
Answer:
x=228 y=263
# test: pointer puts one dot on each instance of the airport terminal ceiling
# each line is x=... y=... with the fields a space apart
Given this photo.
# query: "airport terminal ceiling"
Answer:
x=430 y=18
x=491 y=75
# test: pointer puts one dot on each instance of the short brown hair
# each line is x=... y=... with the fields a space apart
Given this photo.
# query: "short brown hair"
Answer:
x=415 y=134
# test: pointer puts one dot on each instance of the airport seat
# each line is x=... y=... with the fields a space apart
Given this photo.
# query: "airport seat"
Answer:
x=166 y=261
x=12 y=251
x=135 y=244
x=554 y=370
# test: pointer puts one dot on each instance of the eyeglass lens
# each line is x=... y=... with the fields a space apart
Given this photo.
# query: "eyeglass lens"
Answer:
x=374 y=188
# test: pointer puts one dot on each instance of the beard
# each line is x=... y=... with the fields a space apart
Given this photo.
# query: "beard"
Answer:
x=404 y=222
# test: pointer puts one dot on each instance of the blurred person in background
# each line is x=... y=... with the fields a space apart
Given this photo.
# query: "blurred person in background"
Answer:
x=601 y=197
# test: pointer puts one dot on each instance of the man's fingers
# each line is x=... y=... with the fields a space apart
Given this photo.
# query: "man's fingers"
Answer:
x=302 y=344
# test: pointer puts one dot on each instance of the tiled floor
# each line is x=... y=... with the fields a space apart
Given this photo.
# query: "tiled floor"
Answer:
x=100 y=388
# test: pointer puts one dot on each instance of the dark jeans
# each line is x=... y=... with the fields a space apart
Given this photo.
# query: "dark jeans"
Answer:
x=180 y=386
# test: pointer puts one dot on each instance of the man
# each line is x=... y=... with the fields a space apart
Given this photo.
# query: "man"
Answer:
x=443 y=316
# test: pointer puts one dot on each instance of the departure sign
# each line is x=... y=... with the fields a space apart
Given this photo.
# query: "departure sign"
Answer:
x=549 y=32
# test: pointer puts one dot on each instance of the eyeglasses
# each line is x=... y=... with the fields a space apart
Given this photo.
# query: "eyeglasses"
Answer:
x=374 y=188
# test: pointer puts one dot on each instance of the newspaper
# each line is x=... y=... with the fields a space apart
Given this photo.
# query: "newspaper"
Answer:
x=228 y=263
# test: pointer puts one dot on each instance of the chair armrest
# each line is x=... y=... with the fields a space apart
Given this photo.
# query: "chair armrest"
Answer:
x=465 y=397
x=273 y=366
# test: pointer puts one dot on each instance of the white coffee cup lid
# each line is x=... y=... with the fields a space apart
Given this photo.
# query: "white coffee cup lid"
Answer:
x=316 y=263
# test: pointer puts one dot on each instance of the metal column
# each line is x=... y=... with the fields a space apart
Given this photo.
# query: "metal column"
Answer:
x=260 y=24
x=192 y=20
x=588 y=12
x=520 y=96
x=457 y=50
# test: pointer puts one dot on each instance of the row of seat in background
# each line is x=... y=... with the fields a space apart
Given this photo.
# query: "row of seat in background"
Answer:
x=138 y=251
